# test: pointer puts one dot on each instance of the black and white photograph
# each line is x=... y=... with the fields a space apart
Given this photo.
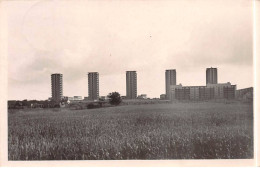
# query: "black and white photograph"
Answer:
x=129 y=80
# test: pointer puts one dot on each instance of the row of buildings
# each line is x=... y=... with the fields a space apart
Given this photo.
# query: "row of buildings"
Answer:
x=212 y=89
x=93 y=86
x=170 y=83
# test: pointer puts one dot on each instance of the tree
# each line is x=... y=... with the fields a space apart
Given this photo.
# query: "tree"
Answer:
x=18 y=104
x=45 y=103
x=25 y=103
x=64 y=100
x=114 y=98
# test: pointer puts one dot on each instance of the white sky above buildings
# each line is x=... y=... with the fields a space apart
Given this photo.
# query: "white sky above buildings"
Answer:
x=112 y=37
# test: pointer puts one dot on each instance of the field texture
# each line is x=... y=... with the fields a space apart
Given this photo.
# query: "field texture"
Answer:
x=158 y=131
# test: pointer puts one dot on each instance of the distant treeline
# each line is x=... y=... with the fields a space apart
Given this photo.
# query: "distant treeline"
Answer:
x=21 y=104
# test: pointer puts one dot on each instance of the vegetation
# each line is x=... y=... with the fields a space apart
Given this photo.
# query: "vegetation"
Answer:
x=114 y=98
x=92 y=106
x=159 y=131
x=16 y=104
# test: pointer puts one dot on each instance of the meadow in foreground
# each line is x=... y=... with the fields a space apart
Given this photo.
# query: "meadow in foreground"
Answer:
x=159 y=131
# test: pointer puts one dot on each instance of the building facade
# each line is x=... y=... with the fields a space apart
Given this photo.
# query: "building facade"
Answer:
x=131 y=85
x=229 y=92
x=56 y=87
x=211 y=76
x=162 y=96
x=78 y=98
x=211 y=91
x=70 y=98
x=170 y=79
x=245 y=94
x=173 y=90
x=142 y=96
x=194 y=92
x=93 y=85
x=182 y=93
x=206 y=93
x=221 y=90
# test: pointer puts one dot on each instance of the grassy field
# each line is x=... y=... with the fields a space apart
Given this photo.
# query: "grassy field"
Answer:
x=158 y=131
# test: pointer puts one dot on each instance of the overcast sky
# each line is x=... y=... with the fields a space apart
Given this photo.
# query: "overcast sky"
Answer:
x=111 y=37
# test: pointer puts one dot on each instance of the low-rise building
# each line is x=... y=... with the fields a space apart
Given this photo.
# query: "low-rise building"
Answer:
x=210 y=91
x=142 y=96
x=229 y=92
x=244 y=94
x=77 y=97
x=163 y=97
x=219 y=89
x=70 y=98
x=104 y=97
x=223 y=90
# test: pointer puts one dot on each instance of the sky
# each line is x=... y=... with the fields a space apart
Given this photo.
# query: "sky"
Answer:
x=112 y=37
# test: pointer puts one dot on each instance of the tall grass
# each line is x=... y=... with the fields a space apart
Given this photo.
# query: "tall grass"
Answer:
x=160 y=131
